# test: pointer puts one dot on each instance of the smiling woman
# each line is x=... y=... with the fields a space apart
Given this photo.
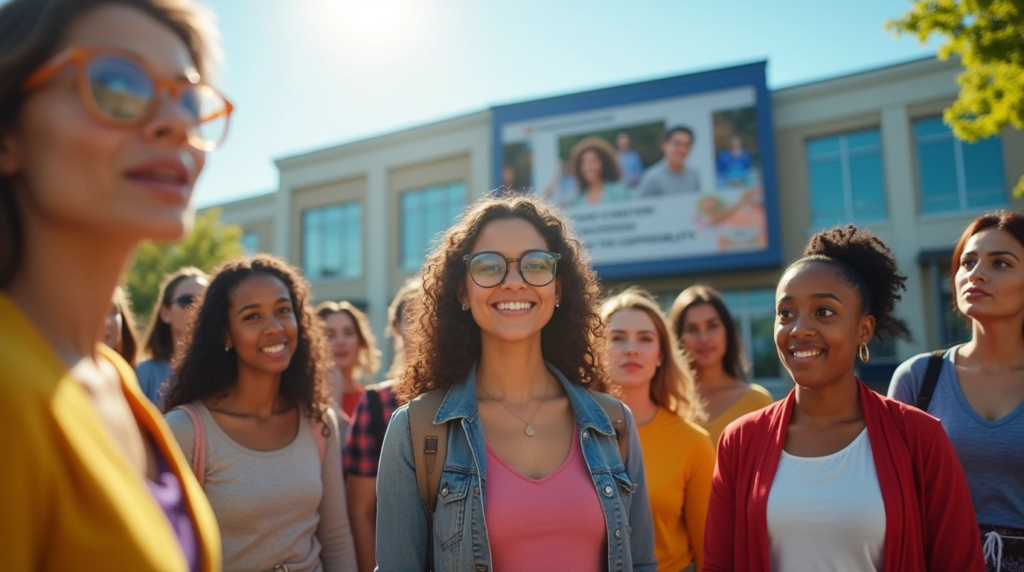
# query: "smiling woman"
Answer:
x=252 y=385
x=837 y=477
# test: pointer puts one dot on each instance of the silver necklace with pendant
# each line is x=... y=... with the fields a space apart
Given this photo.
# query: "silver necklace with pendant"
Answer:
x=528 y=422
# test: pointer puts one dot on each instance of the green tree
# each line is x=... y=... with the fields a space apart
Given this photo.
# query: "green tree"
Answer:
x=989 y=37
x=210 y=243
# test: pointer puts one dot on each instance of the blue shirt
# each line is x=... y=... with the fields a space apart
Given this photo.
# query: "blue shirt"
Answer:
x=990 y=451
x=152 y=375
x=632 y=167
x=460 y=531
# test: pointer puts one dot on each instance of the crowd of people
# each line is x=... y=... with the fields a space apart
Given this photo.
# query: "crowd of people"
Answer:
x=528 y=423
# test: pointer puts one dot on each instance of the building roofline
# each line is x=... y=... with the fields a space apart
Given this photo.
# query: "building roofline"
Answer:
x=248 y=199
x=900 y=70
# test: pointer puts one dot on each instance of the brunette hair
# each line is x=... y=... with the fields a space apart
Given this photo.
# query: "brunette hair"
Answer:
x=129 y=339
x=368 y=361
x=30 y=32
x=672 y=386
x=735 y=360
x=867 y=264
x=208 y=370
x=447 y=340
x=407 y=295
x=1006 y=221
x=159 y=340
x=610 y=170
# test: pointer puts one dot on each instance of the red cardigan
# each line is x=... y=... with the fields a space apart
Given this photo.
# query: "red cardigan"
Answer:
x=929 y=519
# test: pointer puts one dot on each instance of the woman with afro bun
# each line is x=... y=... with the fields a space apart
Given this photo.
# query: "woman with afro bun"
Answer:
x=835 y=476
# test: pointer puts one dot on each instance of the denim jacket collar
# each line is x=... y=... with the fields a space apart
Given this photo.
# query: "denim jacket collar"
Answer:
x=461 y=402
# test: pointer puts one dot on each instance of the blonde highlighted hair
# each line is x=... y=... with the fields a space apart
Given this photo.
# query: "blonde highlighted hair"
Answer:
x=673 y=386
x=368 y=362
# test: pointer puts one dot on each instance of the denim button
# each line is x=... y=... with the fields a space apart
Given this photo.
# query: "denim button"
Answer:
x=607 y=490
x=617 y=533
x=476 y=490
x=586 y=435
x=444 y=492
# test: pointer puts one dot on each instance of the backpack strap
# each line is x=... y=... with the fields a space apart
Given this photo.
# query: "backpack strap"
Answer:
x=616 y=412
x=429 y=451
x=321 y=440
x=931 y=379
x=377 y=426
x=199 y=449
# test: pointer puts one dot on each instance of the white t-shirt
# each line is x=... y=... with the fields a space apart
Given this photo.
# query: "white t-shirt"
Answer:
x=826 y=513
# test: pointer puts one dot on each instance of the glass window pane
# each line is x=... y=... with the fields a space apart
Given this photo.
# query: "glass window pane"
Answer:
x=762 y=299
x=937 y=172
x=931 y=126
x=868 y=188
x=826 y=185
x=984 y=173
x=862 y=140
x=822 y=146
x=765 y=358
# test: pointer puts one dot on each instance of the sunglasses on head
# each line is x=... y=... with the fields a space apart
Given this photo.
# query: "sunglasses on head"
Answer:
x=121 y=90
x=489 y=269
x=184 y=301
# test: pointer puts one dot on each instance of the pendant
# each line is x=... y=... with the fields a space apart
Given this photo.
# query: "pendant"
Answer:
x=529 y=430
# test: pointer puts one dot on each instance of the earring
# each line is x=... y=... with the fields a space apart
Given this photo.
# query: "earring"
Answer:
x=863 y=352
x=465 y=306
x=227 y=348
x=659 y=364
x=557 y=303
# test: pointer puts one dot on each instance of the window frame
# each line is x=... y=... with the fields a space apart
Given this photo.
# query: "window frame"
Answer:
x=447 y=191
x=844 y=155
x=961 y=171
x=348 y=211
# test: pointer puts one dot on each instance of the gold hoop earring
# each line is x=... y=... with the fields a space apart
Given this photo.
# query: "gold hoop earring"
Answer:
x=864 y=353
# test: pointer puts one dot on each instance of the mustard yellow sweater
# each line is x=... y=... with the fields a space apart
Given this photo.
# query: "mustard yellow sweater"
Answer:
x=69 y=500
x=678 y=464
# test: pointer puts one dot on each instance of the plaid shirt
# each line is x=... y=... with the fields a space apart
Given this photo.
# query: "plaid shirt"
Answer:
x=359 y=457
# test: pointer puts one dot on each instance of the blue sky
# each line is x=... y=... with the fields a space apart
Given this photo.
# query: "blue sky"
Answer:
x=305 y=74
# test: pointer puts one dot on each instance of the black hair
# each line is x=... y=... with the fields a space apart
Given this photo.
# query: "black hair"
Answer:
x=866 y=263
x=679 y=129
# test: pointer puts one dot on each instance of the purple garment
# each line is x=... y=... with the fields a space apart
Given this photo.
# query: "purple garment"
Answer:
x=166 y=490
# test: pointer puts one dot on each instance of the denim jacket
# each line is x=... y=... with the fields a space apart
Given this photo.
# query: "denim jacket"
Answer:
x=460 y=531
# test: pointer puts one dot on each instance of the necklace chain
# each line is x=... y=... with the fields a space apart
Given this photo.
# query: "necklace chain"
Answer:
x=528 y=422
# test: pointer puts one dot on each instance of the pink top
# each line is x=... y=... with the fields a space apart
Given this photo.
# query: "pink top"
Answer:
x=554 y=523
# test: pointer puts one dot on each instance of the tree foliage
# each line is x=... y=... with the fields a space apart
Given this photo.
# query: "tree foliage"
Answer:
x=210 y=243
x=988 y=35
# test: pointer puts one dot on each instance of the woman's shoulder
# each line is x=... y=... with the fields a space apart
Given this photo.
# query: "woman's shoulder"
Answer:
x=751 y=425
x=758 y=396
x=152 y=366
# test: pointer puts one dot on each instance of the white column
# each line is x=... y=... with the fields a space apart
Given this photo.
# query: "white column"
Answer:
x=375 y=232
x=281 y=218
x=898 y=163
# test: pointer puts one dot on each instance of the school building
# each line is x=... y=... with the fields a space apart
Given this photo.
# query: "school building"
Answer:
x=868 y=148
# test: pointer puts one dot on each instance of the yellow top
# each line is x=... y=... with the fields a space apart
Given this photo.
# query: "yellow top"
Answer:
x=756 y=397
x=678 y=463
x=69 y=499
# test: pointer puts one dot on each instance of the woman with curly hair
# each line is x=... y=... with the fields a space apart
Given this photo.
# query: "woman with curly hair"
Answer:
x=251 y=396
x=353 y=346
x=596 y=167
x=106 y=115
x=644 y=361
x=835 y=476
x=977 y=388
x=507 y=331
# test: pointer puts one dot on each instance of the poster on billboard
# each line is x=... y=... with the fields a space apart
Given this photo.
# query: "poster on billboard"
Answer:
x=665 y=177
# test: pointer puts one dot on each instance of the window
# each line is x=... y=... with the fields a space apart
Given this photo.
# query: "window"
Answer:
x=954 y=328
x=845 y=179
x=955 y=175
x=424 y=214
x=251 y=242
x=332 y=242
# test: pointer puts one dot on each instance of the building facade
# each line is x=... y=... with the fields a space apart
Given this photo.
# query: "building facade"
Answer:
x=868 y=148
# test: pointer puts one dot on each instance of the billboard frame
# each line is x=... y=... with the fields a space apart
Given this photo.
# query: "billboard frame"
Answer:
x=747 y=75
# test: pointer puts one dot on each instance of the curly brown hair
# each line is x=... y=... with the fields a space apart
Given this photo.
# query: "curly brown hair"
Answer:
x=208 y=370
x=610 y=170
x=447 y=340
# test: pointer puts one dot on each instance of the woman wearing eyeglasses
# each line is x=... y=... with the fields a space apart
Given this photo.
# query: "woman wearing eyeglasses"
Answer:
x=168 y=327
x=105 y=119
x=507 y=331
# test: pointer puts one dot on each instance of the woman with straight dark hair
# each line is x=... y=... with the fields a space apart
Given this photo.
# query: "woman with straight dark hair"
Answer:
x=709 y=337
x=251 y=407
x=835 y=476
x=165 y=337
x=508 y=361
x=356 y=358
x=106 y=115
x=977 y=388
x=118 y=332
x=645 y=362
